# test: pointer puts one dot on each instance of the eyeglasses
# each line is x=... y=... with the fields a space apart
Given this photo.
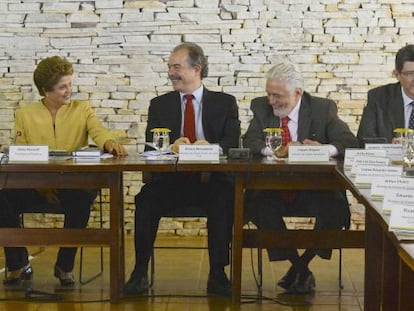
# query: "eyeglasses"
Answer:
x=408 y=74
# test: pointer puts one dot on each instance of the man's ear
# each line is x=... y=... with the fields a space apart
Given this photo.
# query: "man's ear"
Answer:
x=298 y=91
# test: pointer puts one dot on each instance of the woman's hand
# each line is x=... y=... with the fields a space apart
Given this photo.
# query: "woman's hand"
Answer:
x=111 y=146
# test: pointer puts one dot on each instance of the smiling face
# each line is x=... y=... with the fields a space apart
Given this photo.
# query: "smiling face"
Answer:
x=406 y=78
x=281 y=98
x=184 y=77
x=61 y=92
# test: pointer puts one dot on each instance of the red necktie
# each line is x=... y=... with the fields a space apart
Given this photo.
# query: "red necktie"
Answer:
x=189 y=119
x=288 y=196
x=285 y=131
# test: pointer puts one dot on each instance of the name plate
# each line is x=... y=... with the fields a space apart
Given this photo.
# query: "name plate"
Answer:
x=28 y=153
x=381 y=184
x=307 y=153
x=395 y=197
x=366 y=173
x=394 y=151
x=351 y=154
x=199 y=153
x=368 y=160
x=402 y=214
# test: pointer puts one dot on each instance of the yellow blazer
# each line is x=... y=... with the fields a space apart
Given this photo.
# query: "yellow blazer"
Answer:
x=73 y=124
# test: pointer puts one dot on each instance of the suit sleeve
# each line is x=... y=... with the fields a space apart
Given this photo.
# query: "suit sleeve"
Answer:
x=231 y=131
x=368 y=125
x=254 y=138
x=338 y=132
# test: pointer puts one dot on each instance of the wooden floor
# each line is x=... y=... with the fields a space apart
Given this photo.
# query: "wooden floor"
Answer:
x=180 y=284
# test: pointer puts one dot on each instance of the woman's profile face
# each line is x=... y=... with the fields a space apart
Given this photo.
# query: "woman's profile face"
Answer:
x=61 y=92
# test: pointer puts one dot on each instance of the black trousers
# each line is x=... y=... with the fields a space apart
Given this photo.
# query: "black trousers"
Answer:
x=174 y=190
x=76 y=205
x=266 y=209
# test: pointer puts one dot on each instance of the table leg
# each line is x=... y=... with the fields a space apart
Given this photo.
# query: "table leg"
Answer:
x=117 y=254
x=373 y=263
x=237 y=244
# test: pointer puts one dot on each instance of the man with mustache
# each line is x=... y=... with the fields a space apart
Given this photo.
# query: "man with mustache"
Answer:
x=307 y=120
x=213 y=119
x=391 y=106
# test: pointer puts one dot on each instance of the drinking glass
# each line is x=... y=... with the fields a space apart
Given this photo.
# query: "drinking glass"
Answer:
x=273 y=140
x=160 y=139
x=405 y=136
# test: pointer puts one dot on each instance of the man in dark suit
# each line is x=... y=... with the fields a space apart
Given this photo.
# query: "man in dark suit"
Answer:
x=215 y=120
x=390 y=106
x=310 y=121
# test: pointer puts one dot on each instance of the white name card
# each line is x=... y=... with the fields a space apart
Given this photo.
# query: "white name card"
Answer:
x=402 y=214
x=367 y=160
x=366 y=173
x=28 y=153
x=351 y=154
x=381 y=184
x=394 y=197
x=199 y=153
x=307 y=153
x=394 y=151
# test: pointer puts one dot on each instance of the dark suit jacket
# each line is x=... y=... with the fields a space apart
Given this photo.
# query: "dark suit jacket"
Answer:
x=318 y=120
x=383 y=113
x=220 y=117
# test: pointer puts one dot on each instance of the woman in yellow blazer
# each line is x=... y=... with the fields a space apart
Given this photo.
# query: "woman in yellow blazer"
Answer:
x=62 y=124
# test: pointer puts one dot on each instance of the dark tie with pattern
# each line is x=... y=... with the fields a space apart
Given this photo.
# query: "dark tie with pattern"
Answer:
x=189 y=118
x=411 y=120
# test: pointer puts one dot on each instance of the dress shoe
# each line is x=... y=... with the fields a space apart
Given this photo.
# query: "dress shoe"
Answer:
x=136 y=285
x=304 y=283
x=287 y=280
x=66 y=278
x=26 y=274
x=219 y=284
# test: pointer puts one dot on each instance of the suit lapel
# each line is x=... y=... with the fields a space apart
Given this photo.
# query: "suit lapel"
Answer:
x=304 y=119
x=174 y=110
x=396 y=111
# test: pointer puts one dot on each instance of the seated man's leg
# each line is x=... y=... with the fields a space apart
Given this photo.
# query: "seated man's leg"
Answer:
x=151 y=202
x=218 y=196
x=331 y=211
x=266 y=208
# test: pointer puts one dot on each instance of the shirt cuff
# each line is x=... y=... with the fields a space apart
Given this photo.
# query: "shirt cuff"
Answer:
x=333 y=152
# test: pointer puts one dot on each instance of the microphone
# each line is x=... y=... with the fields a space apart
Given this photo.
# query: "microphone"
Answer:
x=240 y=153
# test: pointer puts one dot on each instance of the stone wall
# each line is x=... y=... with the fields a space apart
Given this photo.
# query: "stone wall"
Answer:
x=119 y=51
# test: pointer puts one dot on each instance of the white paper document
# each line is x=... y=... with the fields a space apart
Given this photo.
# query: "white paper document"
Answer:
x=351 y=154
x=396 y=197
x=366 y=173
x=381 y=184
x=402 y=215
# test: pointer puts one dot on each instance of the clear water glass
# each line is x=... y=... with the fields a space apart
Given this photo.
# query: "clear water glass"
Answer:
x=273 y=139
x=405 y=137
x=161 y=139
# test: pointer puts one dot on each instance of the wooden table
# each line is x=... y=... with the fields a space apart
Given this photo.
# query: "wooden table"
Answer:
x=70 y=174
x=391 y=289
x=389 y=262
x=278 y=175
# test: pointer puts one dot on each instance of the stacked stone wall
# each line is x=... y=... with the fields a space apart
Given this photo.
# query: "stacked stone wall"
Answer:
x=119 y=50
